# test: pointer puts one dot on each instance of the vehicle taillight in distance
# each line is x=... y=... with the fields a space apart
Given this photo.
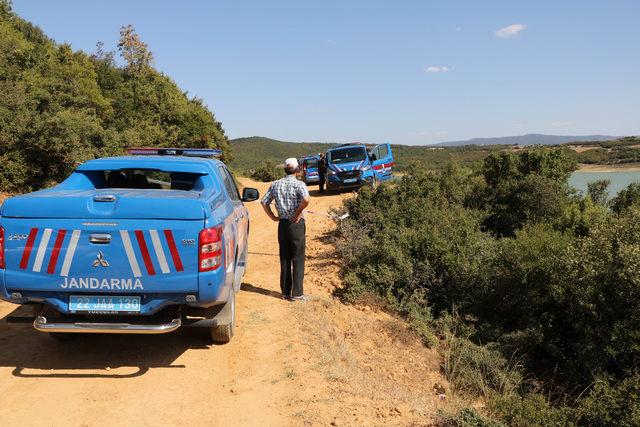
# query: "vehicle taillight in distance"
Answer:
x=210 y=248
x=1 y=247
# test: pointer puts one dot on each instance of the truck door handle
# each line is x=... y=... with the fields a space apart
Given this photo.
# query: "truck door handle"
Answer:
x=100 y=238
x=104 y=198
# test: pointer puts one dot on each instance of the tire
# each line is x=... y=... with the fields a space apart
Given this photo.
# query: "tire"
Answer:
x=222 y=333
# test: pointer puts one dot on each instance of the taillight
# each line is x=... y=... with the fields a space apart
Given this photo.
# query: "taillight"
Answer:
x=210 y=248
x=1 y=247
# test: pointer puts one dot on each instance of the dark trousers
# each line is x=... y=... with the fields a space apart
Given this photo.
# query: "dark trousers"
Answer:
x=291 y=238
x=321 y=184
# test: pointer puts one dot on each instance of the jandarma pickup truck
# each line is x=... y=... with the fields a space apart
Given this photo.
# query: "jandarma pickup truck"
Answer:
x=144 y=243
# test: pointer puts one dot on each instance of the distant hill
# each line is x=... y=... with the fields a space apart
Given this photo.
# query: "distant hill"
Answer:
x=529 y=139
x=252 y=151
x=248 y=152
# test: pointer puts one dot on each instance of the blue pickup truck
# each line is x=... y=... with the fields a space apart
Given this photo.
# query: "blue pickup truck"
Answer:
x=144 y=243
x=351 y=166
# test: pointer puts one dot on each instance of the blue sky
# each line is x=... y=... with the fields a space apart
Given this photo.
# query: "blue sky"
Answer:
x=410 y=72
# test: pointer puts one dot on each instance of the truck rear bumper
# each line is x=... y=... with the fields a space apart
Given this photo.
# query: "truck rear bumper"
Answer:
x=41 y=324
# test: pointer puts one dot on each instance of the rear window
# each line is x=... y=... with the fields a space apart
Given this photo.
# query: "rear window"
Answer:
x=311 y=163
x=347 y=155
x=149 y=179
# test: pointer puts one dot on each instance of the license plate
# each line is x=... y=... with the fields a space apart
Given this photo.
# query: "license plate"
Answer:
x=104 y=304
x=350 y=180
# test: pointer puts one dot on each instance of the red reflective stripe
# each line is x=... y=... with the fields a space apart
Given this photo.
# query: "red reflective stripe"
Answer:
x=56 y=251
x=168 y=234
x=27 y=249
x=384 y=165
x=145 y=252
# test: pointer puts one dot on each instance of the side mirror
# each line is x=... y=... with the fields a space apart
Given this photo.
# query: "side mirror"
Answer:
x=250 y=194
x=373 y=157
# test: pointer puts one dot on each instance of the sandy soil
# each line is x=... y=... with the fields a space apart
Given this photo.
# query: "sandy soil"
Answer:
x=626 y=167
x=318 y=362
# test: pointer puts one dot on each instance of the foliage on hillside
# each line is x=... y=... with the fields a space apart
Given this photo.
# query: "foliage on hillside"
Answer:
x=266 y=172
x=624 y=150
x=250 y=152
x=60 y=106
x=533 y=289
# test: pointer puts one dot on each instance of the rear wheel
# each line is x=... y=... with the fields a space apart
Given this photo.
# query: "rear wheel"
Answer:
x=225 y=327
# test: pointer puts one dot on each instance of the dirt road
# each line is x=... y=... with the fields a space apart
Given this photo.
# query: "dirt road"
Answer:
x=318 y=362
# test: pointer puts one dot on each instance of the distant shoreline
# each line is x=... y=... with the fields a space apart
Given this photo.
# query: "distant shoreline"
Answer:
x=627 y=167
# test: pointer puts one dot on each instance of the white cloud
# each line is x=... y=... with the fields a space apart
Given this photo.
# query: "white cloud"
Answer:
x=436 y=69
x=561 y=124
x=510 y=31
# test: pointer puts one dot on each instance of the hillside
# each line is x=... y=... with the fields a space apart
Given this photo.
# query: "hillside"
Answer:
x=247 y=152
x=528 y=139
x=250 y=152
x=59 y=106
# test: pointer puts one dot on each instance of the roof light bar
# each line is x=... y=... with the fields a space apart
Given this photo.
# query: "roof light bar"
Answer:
x=188 y=152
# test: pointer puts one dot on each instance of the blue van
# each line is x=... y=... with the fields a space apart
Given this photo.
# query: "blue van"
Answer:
x=350 y=166
x=310 y=169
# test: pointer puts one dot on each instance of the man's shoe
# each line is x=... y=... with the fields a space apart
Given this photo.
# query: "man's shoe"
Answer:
x=299 y=298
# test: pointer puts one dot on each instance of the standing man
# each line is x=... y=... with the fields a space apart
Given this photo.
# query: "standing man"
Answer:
x=291 y=197
x=322 y=171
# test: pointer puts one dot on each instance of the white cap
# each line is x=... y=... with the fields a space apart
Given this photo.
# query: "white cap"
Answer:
x=291 y=162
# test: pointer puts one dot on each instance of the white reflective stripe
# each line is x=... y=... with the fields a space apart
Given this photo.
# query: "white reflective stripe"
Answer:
x=133 y=262
x=42 y=249
x=162 y=260
x=73 y=244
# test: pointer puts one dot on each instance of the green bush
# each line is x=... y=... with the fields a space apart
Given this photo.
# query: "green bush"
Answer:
x=467 y=417
x=266 y=172
x=612 y=404
x=627 y=197
x=59 y=106
x=532 y=410
x=542 y=277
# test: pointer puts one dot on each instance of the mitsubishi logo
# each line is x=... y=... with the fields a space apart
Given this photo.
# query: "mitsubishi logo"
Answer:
x=100 y=262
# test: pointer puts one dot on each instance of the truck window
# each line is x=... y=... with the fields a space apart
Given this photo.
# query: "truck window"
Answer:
x=229 y=183
x=311 y=163
x=347 y=155
x=148 y=179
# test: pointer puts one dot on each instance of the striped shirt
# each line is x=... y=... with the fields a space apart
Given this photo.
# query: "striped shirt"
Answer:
x=288 y=193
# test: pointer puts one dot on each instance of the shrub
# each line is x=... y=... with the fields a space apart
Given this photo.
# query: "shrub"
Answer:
x=266 y=172
x=532 y=410
x=612 y=404
x=478 y=370
x=541 y=277
x=467 y=417
x=627 y=197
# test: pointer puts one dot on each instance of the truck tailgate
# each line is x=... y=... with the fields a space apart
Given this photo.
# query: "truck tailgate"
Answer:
x=129 y=256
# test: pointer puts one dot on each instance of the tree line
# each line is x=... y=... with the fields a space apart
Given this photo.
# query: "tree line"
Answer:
x=59 y=107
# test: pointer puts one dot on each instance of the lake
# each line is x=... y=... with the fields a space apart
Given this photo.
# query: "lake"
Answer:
x=619 y=180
